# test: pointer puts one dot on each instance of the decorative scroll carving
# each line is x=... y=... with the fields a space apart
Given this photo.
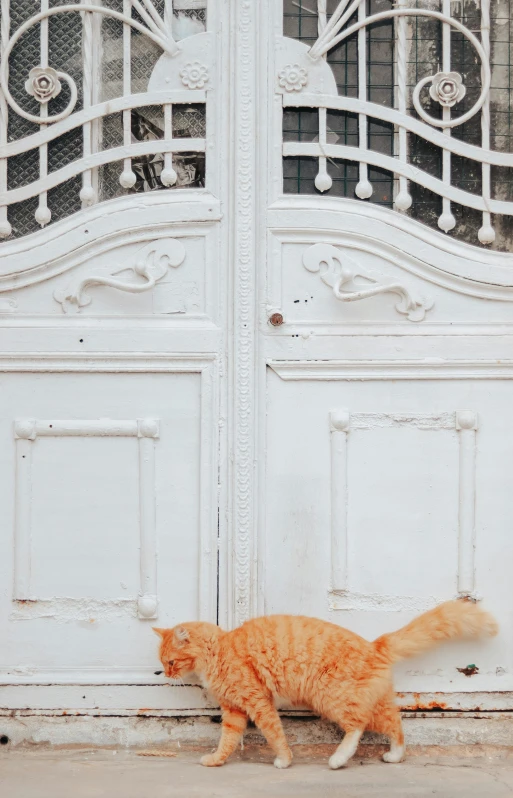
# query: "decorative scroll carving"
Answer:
x=341 y=278
x=152 y=265
x=334 y=34
x=152 y=26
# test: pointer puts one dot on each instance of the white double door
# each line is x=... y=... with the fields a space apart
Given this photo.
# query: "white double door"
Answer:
x=170 y=454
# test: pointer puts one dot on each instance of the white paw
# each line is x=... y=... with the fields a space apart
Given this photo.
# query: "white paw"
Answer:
x=210 y=761
x=336 y=761
x=281 y=763
x=394 y=756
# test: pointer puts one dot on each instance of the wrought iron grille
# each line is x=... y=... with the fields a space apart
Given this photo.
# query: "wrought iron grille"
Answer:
x=401 y=51
x=79 y=120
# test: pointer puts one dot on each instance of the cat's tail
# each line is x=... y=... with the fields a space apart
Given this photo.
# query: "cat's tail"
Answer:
x=449 y=621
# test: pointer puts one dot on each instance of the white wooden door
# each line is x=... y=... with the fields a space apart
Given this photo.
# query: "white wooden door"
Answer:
x=387 y=342
x=112 y=280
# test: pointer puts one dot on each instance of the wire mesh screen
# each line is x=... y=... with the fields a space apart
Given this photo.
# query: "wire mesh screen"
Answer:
x=64 y=48
x=300 y=22
x=189 y=18
x=65 y=45
x=424 y=56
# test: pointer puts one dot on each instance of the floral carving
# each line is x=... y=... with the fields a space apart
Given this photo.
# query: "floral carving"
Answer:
x=43 y=83
x=194 y=75
x=447 y=88
x=293 y=77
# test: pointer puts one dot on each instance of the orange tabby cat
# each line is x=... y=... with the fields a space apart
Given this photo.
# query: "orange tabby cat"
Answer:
x=309 y=662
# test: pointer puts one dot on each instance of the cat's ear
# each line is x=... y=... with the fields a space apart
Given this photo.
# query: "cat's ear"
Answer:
x=160 y=632
x=181 y=634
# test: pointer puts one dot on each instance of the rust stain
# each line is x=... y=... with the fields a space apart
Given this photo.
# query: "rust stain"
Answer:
x=419 y=706
x=470 y=670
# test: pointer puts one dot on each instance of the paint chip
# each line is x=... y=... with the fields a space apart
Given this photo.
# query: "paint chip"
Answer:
x=470 y=670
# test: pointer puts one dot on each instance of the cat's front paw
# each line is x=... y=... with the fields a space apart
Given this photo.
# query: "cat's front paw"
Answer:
x=337 y=761
x=282 y=762
x=211 y=761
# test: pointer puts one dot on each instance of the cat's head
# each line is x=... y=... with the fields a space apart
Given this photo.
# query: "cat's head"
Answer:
x=184 y=648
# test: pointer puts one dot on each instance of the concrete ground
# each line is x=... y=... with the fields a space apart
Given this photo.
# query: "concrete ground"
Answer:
x=123 y=774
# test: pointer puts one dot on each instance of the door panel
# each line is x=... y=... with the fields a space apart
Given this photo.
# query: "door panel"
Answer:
x=371 y=490
x=109 y=512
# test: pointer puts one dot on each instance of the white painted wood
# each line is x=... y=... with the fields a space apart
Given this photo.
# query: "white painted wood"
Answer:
x=466 y=424
x=415 y=497
x=167 y=437
x=147 y=602
x=110 y=467
x=397 y=239
x=242 y=368
x=146 y=430
x=52 y=698
x=339 y=426
x=396 y=369
x=23 y=513
x=184 y=528
x=412 y=478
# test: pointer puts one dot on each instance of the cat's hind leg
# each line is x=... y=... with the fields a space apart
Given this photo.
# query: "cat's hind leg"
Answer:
x=346 y=749
x=233 y=725
x=386 y=719
x=349 y=705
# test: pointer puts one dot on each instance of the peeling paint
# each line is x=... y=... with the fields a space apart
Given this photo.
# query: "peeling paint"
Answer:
x=73 y=609
x=428 y=421
x=351 y=600
x=470 y=670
